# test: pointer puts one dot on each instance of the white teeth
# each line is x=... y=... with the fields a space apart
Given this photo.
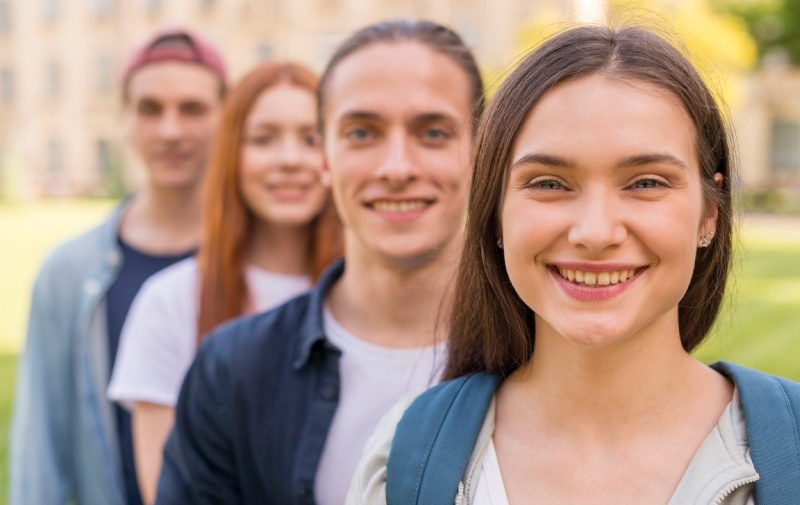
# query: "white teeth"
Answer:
x=398 y=206
x=596 y=278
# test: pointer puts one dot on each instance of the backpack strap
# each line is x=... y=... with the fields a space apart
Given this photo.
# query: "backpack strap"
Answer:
x=434 y=440
x=772 y=415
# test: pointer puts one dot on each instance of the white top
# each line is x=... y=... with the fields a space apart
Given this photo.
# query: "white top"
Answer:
x=489 y=490
x=159 y=337
x=373 y=378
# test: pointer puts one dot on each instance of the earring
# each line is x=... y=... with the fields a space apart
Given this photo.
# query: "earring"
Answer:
x=705 y=240
x=500 y=243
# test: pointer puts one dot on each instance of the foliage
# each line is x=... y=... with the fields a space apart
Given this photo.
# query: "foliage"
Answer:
x=774 y=24
x=716 y=42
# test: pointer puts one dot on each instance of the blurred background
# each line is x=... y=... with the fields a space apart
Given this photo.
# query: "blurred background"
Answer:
x=64 y=162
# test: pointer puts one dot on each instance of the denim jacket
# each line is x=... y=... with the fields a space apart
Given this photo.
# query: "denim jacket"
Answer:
x=63 y=441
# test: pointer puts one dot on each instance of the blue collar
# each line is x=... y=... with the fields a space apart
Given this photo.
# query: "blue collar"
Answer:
x=311 y=328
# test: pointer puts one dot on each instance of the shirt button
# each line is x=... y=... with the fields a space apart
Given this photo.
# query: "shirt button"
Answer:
x=303 y=492
x=328 y=392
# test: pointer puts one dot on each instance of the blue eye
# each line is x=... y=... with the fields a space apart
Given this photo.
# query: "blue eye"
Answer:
x=647 y=184
x=546 y=184
x=435 y=134
x=358 y=134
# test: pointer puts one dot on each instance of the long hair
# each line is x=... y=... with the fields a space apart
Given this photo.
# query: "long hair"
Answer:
x=227 y=221
x=491 y=327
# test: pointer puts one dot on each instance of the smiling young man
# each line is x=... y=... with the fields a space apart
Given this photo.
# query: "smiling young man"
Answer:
x=69 y=443
x=277 y=407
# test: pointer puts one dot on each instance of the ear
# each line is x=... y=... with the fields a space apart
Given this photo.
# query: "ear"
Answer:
x=712 y=211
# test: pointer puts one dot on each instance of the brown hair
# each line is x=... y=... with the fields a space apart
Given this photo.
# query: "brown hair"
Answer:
x=491 y=327
x=439 y=38
x=227 y=220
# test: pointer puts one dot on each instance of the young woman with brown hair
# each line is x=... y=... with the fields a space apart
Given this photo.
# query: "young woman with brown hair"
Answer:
x=597 y=249
x=269 y=231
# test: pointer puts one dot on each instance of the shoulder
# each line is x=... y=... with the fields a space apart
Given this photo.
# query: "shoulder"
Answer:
x=259 y=342
x=176 y=283
x=71 y=261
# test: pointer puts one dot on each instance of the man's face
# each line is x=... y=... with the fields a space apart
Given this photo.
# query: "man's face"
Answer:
x=171 y=114
x=397 y=144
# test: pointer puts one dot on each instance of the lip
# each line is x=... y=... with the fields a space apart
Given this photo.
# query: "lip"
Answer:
x=597 y=293
x=288 y=192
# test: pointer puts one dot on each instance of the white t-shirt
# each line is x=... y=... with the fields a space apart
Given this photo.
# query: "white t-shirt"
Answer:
x=159 y=337
x=373 y=378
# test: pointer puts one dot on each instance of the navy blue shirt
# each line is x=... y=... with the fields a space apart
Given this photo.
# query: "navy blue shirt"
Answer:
x=255 y=408
x=136 y=268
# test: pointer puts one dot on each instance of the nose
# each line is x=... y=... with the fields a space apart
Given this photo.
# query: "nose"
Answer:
x=169 y=125
x=290 y=153
x=397 y=167
x=597 y=223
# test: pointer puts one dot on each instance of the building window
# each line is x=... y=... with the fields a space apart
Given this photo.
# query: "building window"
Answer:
x=105 y=163
x=6 y=84
x=54 y=155
x=49 y=9
x=785 y=146
x=5 y=17
x=264 y=51
x=103 y=8
x=103 y=79
x=52 y=78
x=152 y=6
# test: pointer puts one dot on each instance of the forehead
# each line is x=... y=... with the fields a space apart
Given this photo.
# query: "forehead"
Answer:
x=398 y=79
x=176 y=81
x=599 y=117
x=284 y=103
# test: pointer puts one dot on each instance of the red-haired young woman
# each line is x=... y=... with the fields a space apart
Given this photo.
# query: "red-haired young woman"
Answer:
x=269 y=231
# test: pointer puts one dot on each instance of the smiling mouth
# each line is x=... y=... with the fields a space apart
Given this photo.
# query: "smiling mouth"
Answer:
x=596 y=279
x=399 y=205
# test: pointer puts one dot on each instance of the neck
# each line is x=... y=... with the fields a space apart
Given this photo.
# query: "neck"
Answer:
x=611 y=392
x=280 y=249
x=395 y=304
x=163 y=221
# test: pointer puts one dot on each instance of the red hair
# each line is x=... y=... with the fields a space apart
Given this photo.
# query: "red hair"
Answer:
x=227 y=221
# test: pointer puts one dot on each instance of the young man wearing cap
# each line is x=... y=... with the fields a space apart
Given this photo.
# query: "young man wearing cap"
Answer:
x=69 y=443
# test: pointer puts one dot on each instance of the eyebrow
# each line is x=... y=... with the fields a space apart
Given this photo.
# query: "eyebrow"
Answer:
x=357 y=114
x=632 y=161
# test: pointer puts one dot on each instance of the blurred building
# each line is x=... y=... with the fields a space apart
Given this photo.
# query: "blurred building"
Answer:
x=60 y=60
x=768 y=129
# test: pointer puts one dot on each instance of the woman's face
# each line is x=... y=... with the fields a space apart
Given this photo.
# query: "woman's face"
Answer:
x=602 y=210
x=397 y=139
x=281 y=158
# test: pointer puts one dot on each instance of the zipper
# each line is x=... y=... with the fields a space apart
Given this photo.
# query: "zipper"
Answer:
x=727 y=491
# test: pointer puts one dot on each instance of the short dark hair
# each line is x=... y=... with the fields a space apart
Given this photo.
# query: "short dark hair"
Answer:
x=439 y=38
x=491 y=327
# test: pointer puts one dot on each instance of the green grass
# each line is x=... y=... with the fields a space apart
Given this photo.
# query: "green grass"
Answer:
x=759 y=326
x=760 y=322
x=7 y=369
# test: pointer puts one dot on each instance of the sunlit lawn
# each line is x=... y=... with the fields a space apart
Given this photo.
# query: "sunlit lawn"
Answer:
x=760 y=327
